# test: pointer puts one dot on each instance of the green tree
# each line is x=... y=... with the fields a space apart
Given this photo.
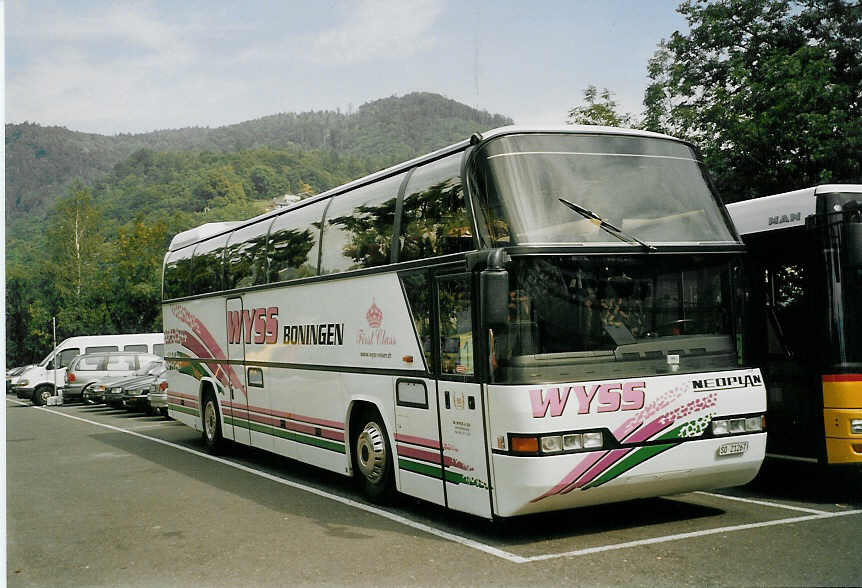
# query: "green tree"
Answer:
x=136 y=263
x=599 y=108
x=771 y=90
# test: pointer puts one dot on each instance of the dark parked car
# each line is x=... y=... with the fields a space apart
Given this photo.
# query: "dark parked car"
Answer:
x=132 y=392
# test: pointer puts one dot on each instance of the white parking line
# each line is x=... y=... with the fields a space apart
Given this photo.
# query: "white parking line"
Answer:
x=692 y=535
x=765 y=503
x=490 y=550
x=346 y=501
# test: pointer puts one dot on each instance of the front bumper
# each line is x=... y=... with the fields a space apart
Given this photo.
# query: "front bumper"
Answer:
x=158 y=400
x=23 y=392
x=137 y=401
x=94 y=396
x=533 y=484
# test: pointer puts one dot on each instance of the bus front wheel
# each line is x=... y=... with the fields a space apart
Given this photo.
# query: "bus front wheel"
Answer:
x=212 y=426
x=372 y=458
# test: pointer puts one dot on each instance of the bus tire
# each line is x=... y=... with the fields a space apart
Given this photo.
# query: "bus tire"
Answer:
x=41 y=395
x=372 y=458
x=212 y=426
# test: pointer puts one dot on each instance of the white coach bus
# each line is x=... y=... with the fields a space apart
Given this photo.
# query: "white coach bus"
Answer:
x=529 y=320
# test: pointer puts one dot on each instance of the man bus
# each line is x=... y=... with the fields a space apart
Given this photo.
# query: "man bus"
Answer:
x=529 y=320
x=805 y=324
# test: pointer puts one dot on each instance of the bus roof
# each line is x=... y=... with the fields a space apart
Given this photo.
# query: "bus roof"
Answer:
x=781 y=211
x=207 y=230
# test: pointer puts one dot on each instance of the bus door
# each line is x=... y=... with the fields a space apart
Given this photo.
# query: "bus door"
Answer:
x=235 y=406
x=460 y=399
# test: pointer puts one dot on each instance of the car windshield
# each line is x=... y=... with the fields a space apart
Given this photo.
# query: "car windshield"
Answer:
x=651 y=188
x=578 y=317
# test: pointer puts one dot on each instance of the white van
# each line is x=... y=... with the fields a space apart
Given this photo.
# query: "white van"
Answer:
x=38 y=381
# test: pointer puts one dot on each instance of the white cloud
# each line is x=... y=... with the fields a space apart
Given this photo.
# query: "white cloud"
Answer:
x=377 y=29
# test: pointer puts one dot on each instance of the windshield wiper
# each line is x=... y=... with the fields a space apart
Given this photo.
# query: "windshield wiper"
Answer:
x=608 y=227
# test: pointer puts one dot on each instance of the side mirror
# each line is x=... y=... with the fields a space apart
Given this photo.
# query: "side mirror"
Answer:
x=494 y=290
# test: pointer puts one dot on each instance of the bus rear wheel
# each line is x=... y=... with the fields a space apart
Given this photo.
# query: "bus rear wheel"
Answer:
x=212 y=426
x=372 y=458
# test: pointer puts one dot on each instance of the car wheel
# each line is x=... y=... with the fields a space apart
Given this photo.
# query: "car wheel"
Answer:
x=212 y=426
x=41 y=395
x=372 y=458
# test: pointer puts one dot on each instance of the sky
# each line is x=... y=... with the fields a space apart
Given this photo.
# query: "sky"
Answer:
x=135 y=66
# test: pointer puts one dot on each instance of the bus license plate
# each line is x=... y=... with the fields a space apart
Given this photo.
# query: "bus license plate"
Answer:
x=734 y=448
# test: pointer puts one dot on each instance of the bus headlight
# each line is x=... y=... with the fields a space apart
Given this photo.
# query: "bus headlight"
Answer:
x=571 y=442
x=856 y=426
x=593 y=440
x=737 y=426
x=552 y=444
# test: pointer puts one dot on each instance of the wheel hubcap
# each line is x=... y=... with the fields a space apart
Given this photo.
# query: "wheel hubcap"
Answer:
x=210 y=421
x=371 y=452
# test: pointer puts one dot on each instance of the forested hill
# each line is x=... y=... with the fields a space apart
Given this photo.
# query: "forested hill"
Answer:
x=42 y=161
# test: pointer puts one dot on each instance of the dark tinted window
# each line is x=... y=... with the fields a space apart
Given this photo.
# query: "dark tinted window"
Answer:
x=67 y=355
x=294 y=243
x=358 y=227
x=434 y=220
x=177 y=277
x=159 y=349
x=245 y=261
x=418 y=290
x=207 y=262
x=142 y=347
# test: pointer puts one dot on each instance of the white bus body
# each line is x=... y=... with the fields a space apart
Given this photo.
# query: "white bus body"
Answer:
x=303 y=369
x=47 y=372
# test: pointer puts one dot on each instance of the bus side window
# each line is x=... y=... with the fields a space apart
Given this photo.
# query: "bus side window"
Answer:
x=419 y=302
x=207 y=263
x=434 y=219
x=294 y=243
x=177 y=278
x=245 y=256
x=357 y=231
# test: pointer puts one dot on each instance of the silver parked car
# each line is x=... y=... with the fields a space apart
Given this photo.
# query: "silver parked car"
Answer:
x=86 y=370
x=158 y=396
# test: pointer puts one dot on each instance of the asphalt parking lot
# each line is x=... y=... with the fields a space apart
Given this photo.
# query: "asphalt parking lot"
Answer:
x=100 y=497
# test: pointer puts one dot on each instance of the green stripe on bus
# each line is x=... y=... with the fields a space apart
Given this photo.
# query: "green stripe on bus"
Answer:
x=419 y=468
x=434 y=472
x=290 y=435
x=639 y=456
x=184 y=409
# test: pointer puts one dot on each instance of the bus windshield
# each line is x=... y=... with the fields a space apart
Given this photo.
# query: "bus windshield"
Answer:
x=653 y=189
x=844 y=264
x=577 y=318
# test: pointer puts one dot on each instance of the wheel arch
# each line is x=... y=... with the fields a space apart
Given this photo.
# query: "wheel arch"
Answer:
x=355 y=409
x=207 y=388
